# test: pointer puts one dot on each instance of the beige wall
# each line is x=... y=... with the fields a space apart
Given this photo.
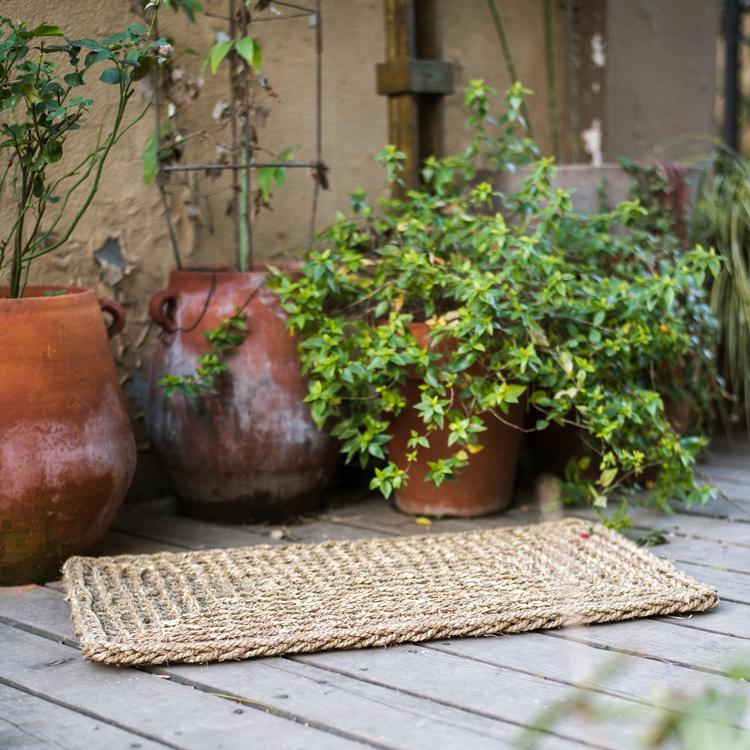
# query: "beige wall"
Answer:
x=660 y=76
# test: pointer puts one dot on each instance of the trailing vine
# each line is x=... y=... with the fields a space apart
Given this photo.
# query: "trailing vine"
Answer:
x=225 y=337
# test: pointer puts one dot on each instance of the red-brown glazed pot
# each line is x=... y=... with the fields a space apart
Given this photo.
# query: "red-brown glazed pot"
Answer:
x=67 y=453
x=484 y=486
x=251 y=451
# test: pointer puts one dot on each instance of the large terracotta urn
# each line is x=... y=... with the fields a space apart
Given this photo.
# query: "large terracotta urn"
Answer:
x=67 y=453
x=249 y=450
x=484 y=486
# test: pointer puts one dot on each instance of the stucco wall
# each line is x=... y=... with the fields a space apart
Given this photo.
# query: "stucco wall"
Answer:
x=660 y=75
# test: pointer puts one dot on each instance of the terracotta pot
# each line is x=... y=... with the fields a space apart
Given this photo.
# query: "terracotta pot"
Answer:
x=250 y=451
x=552 y=447
x=484 y=486
x=67 y=453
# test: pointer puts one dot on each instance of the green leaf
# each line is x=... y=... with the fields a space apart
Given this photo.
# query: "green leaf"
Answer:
x=113 y=76
x=218 y=52
x=265 y=181
x=607 y=477
x=95 y=57
x=566 y=362
x=46 y=29
x=249 y=50
x=74 y=79
x=52 y=152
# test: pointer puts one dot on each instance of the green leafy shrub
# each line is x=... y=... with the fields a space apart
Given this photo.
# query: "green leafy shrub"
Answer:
x=42 y=73
x=722 y=219
x=575 y=315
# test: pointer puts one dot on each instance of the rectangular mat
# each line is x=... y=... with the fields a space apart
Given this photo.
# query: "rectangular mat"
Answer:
x=212 y=605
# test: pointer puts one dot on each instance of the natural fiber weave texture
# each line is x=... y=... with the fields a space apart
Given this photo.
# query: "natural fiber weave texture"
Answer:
x=258 y=601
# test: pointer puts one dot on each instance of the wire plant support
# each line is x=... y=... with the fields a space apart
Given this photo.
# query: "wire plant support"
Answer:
x=241 y=87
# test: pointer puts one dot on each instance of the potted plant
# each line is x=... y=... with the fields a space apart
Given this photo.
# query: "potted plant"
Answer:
x=66 y=450
x=225 y=412
x=640 y=246
x=425 y=327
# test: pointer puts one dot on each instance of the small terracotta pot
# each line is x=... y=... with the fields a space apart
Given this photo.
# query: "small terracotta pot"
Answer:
x=251 y=451
x=484 y=486
x=67 y=453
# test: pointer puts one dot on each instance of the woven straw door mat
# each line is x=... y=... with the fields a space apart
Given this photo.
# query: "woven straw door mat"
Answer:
x=263 y=600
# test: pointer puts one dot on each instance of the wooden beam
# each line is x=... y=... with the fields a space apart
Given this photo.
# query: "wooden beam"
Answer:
x=415 y=77
x=415 y=80
x=429 y=45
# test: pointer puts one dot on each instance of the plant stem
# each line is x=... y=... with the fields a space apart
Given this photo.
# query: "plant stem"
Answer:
x=508 y=57
x=238 y=247
x=246 y=207
x=554 y=110
x=571 y=43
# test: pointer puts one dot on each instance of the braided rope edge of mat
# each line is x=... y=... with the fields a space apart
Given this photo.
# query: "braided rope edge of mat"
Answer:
x=95 y=644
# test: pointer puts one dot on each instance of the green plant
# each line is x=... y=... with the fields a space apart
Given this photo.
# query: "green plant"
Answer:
x=512 y=316
x=723 y=220
x=646 y=249
x=42 y=73
x=230 y=333
x=241 y=55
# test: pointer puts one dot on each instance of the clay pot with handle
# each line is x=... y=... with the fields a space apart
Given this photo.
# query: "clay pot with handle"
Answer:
x=67 y=453
x=484 y=486
x=250 y=451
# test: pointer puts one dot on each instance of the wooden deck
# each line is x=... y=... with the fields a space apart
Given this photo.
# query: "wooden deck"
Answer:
x=466 y=693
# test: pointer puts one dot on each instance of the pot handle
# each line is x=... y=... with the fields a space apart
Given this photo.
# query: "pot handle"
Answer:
x=117 y=311
x=158 y=309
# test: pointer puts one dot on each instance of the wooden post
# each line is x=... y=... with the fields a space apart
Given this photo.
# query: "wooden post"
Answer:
x=415 y=81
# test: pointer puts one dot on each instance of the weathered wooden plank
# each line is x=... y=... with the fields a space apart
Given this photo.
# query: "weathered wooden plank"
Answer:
x=47 y=615
x=156 y=708
x=373 y=712
x=702 y=552
x=40 y=608
x=731 y=586
x=487 y=689
x=30 y=723
x=683 y=524
x=120 y=543
x=187 y=533
x=721 y=507
x=586 y=666
x=737 y=493
x=658 y=639
x=737 y=472
x=729 y=618
x=182 y=532
x=377 y=514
